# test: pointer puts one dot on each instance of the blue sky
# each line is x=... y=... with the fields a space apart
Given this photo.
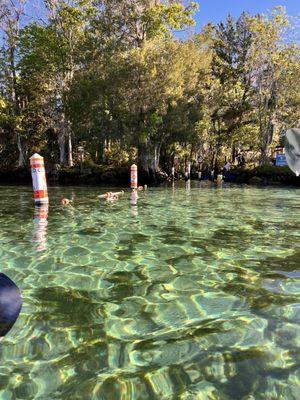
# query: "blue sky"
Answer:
x=211 y=10
x=217 y=10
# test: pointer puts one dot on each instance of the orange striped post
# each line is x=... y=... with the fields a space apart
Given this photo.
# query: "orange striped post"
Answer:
x=134 y=176
x=39 y=179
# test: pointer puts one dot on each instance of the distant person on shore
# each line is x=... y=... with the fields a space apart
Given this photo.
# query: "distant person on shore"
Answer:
x=229 y=177
x=226 y=169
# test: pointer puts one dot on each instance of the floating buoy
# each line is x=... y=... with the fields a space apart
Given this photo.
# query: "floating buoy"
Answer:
x=10 y=304
x=39 y=179
x=134 y=177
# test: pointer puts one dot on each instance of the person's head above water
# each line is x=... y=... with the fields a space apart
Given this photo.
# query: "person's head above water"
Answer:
x=65 y=202
x=292 y=150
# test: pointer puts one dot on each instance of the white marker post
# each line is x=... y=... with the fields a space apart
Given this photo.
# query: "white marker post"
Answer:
x=189 y=170
x=173 y=173
x=134 y=177
x=39 y=179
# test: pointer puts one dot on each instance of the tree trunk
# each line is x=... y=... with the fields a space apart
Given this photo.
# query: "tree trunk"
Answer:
x=104 y=149
x=149 y=156
x=214 y=160
x=15 y=98
x=70 y=149
x=233 y=155
x=65 y=142
x=267 y=138
x=62 y=148
x=21 y=161
x=267 y=127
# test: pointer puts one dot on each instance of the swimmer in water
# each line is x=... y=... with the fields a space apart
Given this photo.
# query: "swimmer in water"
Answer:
x=65 y=202
x=219 y=179
x=111 y=196
x=141 y=188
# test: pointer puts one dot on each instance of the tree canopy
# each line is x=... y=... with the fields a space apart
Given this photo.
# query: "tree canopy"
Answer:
x=115 y=77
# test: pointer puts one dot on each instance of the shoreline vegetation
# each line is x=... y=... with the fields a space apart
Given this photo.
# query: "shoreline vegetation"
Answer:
x=103 y=175
x=95 y=85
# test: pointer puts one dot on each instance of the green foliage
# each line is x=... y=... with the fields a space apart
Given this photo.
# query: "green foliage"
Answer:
x=129 y=23
x=270 y=171
x=110 y=75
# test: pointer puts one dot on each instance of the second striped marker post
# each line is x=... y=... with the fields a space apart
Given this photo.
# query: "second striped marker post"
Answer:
x=134 y=177
x=39 y=179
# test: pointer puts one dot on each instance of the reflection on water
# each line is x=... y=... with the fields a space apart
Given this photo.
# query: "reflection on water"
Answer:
x=40 y=226
x=134 y=203
x=134 y=198
x=188 y=185
x=193 y=296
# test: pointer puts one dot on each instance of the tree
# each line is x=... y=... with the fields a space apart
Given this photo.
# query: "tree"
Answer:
x=67 y=21
x=231 y=91
x=135 y=90
x=129 y=23
x=11 y=14
x=269 y=60
x=141 y=78
x=111 y=75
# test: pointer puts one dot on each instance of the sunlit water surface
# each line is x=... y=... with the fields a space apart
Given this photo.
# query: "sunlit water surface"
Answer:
x=191 y=294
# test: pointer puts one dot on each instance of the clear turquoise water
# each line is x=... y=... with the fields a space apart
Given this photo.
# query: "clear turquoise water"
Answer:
x=191 y=294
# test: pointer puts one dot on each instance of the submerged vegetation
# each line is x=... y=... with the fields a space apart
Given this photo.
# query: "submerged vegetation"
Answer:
x=111 y=82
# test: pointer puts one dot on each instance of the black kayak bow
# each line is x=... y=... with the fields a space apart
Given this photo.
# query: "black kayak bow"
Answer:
x=10 y=304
